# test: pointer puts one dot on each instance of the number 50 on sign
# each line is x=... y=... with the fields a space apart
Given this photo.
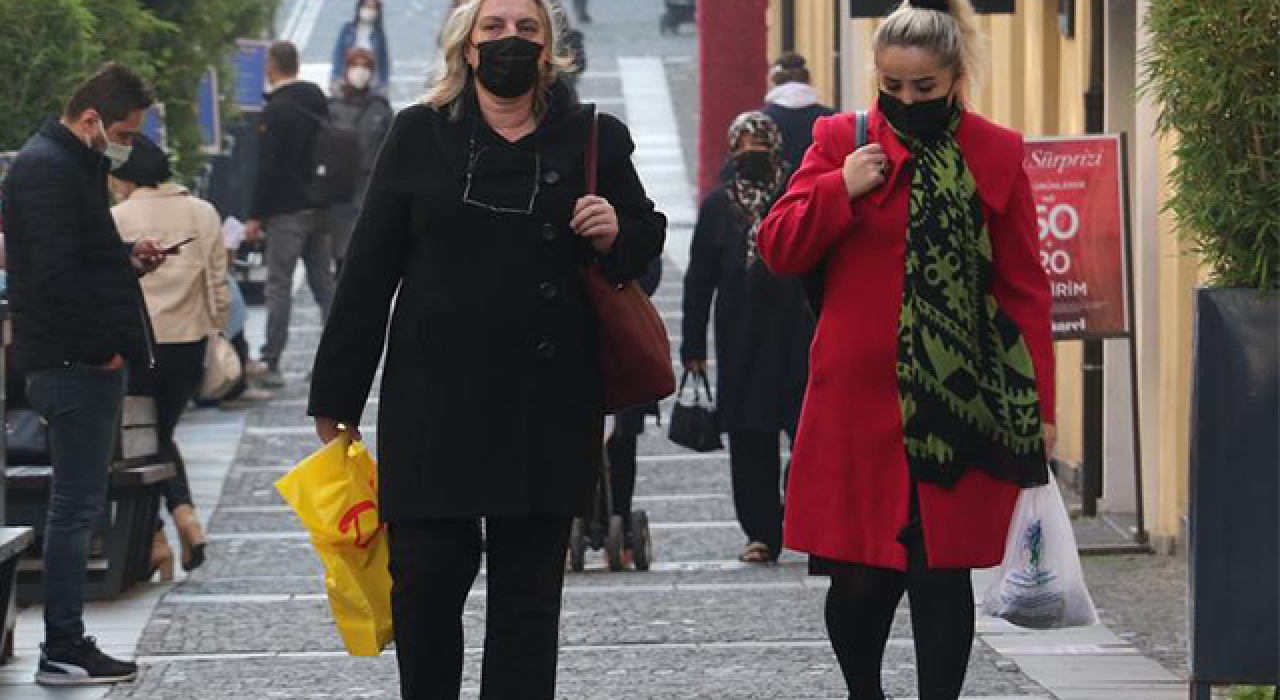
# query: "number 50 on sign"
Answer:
x=1078 y=190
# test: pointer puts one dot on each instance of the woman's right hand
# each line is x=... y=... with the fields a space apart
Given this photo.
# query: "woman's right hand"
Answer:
x=864 y=170
x=330 y=428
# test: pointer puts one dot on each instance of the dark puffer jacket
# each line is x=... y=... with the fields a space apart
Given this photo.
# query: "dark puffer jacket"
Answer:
x=287 y=129
x=73 y=294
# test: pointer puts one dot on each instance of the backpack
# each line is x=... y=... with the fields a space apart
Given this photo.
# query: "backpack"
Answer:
x=815 y=281
x=335 y=154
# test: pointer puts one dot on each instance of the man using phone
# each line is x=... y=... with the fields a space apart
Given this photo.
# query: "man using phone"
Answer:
x=79 y=325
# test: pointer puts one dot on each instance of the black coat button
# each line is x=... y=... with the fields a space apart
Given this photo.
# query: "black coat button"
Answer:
x=551 y=177
x=549 y=232
x=546 y=350
x=548 y=291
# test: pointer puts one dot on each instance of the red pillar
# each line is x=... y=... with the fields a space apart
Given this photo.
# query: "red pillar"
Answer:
x=732 y=48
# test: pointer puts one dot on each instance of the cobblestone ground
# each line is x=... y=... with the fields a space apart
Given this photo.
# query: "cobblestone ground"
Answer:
x=254 y=623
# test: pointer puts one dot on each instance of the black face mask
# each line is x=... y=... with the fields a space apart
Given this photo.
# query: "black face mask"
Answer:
x=509 y=67
x=756 y=166
x=922 y=120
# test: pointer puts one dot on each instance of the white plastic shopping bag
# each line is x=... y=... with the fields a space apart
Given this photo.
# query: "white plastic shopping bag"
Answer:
x=1040 y=584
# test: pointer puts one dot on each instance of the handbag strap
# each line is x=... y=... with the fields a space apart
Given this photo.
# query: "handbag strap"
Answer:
x=697 y=392
x=593 y=152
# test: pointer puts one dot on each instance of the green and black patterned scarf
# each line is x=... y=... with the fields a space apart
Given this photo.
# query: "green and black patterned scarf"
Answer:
x=966 y=383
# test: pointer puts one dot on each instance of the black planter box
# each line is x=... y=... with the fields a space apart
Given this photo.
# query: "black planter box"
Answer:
x=1235 y=489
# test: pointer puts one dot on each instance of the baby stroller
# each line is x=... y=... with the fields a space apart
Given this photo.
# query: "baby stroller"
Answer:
x=678 y=12
x=606 y=531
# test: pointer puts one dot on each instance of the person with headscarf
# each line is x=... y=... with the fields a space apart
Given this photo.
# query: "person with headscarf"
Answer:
x=359 y=109
x=364 y=31
x=931 y=404
x=762 y=329
x=188 y=300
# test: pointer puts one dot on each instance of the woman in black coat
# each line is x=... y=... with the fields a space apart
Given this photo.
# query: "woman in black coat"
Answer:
x=477 y=223
x=763 y=329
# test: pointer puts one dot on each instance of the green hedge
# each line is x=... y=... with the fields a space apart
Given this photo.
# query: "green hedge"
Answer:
x=1212 y=67
x=51 y=45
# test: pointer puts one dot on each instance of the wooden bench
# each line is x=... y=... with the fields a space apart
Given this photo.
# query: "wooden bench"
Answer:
x=13 y=542
x=120 y=543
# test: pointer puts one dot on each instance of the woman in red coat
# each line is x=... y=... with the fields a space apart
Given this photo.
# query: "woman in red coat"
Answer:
x=930 y=398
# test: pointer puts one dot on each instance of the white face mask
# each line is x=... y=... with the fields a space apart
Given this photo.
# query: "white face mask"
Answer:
x=368 y=15
x=359 y=77
x=117 y=153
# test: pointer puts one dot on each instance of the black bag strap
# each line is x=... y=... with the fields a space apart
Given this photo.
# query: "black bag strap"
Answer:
x=697 y=392
x=816 y=280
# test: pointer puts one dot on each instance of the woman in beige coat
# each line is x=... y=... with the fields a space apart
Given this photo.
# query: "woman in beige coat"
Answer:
x=189 y=301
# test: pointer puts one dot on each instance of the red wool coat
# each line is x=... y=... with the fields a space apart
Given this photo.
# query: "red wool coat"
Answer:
x=848 y=497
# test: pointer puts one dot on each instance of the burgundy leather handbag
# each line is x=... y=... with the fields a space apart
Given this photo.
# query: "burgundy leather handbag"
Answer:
x=635 y=353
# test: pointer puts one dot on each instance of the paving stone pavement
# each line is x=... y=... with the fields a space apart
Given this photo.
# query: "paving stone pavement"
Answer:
x=253 y=622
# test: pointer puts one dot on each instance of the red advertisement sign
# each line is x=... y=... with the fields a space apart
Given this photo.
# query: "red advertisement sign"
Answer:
x=1080 y=212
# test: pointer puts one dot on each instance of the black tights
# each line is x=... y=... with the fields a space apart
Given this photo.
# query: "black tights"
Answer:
x=860 y=610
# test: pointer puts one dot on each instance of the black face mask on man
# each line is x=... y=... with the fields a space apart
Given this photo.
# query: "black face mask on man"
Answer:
x=509 y=67
x=922 y=120
x=754 y=166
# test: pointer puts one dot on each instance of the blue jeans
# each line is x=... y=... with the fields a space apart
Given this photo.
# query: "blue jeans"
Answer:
x=82 y=407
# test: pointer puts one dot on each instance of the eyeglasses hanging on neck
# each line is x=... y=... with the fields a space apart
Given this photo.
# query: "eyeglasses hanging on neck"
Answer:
x=474 y=199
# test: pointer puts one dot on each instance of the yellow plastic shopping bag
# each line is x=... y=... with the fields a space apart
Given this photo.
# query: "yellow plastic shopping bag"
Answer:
x=335 y=493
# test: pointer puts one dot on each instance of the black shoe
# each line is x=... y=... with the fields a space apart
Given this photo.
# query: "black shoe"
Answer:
x=81 y=663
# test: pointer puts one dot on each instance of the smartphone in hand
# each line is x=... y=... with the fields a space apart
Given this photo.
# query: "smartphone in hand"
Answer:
x=177 y=247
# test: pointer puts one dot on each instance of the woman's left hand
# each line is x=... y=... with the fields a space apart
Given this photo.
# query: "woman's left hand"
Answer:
x=595 y=219
x=1050 y=440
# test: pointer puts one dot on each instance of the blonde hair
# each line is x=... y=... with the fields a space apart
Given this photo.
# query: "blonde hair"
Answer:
x=453 y=72
x=953 y=35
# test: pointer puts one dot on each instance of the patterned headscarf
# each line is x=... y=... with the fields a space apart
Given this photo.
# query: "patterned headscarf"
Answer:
x=755 y=198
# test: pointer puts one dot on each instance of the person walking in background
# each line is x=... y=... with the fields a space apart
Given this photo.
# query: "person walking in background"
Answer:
x=575 y=47
x=794 y=106
x=491 y=404
x=189 y=299
x=368 y=114
x=931 y=400
x=295 y=226
x=364 y=31
x=580 y=7
x=79 y=324
x=763 y=329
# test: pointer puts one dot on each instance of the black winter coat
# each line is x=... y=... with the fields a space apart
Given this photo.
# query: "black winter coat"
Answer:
x=287 y=132
x=491 y=401
x=73 y=292
x=369 y=116
x=796 y=126
x=762 y=322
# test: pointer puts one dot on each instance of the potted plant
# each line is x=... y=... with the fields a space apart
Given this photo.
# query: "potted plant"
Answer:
x=1212 y=68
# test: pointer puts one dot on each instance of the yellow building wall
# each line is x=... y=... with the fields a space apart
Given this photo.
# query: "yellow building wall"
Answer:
x=1179 y=275
x=815 y=35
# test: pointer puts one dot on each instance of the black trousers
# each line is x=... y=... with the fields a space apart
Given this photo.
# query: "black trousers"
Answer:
x=755 y=463
x=861 y=604
x=179 y=370
x=433 y=565
x=621 y=449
